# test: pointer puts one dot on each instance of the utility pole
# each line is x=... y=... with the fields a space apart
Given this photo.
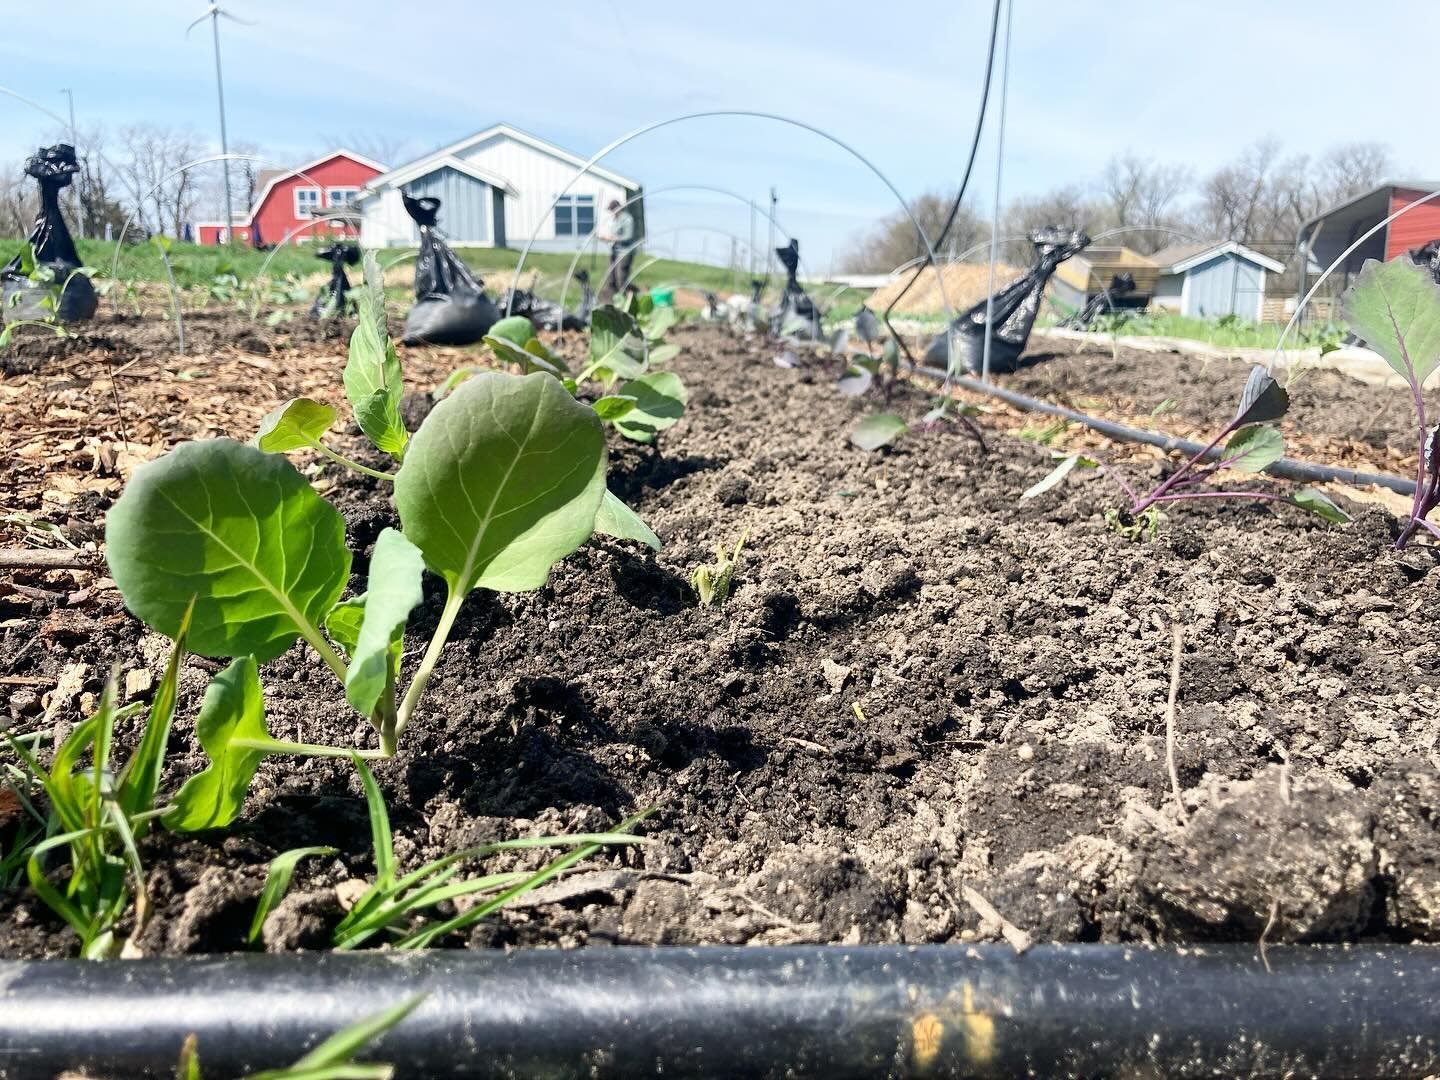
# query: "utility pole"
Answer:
x=770 y=244
x=750 y=251
x=75 y=141
x=995 y=213
x=214 y=15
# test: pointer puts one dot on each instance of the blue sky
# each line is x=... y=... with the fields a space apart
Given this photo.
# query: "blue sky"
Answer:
x=1180 y=80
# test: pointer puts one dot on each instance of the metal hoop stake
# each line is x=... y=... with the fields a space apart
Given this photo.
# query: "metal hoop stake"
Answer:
x=616 y=144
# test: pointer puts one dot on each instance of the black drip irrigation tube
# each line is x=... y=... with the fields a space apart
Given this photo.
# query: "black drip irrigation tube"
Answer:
x=1286 y=468
x=822 y=1011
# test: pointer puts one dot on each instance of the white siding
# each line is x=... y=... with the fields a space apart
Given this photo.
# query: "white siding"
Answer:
x=537 y=177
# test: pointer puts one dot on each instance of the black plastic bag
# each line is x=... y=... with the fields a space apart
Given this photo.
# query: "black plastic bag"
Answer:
x=331 y=301
x=53 y=168
x=796 y=307
x=1104 y=300
x=451 y=307
x=1014 y=311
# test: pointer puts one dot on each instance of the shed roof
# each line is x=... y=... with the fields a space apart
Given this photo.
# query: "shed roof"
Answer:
x=1179 y=258
x=511 y=132
x=433 y=164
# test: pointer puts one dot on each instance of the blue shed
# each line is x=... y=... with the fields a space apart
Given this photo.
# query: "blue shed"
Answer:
x=1207 y=281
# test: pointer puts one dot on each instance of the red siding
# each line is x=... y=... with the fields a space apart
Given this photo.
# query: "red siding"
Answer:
x=1417 y=228
x=276 y=216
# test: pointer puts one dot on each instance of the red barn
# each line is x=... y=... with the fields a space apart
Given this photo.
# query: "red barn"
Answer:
x=1328 y=235
x=315 y=200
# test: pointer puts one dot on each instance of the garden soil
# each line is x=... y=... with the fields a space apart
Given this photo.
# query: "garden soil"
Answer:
x=919 y=688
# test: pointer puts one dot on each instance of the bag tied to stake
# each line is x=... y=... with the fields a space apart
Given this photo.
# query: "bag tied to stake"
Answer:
x=331 y=301
x=34 y=291
x=1014 y=309
x=451 y=307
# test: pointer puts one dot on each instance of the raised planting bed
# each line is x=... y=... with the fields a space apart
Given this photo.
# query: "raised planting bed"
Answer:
x=920 y=692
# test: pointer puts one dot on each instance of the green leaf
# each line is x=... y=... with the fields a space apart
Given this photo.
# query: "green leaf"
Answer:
x=454 y=379
x=372 y=375
x=300 y=422
x=659 y=323
x=1318 y=502
x=1055 y=475
x=382 y=842
x=238 y=530
x=616 y=519
x=343 y=624
x=855 y=381
x=878 y=430
x=1263 y=399
x=516 y=329
x=502 y=480
x=1254 y=448
x=544 y=358
x=337 y=1052
x=614 y=406
x=663 y=354
x=277 y=883
x=140 y=779
x=1394 y=308
x=393 y=592
x=234 y=708
x=616 y=347
x=660 y=399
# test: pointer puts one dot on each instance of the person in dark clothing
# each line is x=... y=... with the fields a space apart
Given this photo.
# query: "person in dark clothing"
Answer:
x=621 y=237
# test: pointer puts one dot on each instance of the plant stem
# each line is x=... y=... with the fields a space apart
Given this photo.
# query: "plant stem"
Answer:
x=316 y=641
x=1186 y=495
x=275 y=746
x=1175 y=477
x=343 y=460
x=453 y=600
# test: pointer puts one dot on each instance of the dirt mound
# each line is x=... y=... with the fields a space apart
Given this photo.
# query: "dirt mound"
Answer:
x=965 y=284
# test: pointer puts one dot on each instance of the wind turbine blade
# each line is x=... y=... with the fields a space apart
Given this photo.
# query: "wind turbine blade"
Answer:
x=196 y=23
x=233 y=18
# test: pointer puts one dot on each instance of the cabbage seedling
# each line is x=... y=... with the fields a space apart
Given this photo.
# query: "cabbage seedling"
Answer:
x=1394 y=308
x=1252 y=444
x=504 y=478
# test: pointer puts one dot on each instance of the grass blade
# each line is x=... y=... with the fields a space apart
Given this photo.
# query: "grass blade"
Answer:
x=277 y=883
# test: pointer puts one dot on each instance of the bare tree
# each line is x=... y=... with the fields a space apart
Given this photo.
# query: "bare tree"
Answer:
x=1139 y=194
x=893 y=240
x=1353 y=168
x=153 y=160
x=19 y=200
x=387 y=150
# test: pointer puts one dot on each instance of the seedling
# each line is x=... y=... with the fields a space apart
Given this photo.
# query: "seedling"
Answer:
x=712 y=581
x=395 y=904
x=1252 y=444
x=333 y=1059
x=505 y=478
x=1394 y=308
x=98 y=816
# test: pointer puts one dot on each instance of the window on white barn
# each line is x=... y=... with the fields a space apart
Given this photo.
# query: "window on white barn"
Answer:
x=307 y=201
x=342 y=196
x=575 y=215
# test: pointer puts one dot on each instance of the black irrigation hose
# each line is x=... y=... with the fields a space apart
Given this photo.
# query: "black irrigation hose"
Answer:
x=964 y=183
x=815 y=1011
x=1286 y=468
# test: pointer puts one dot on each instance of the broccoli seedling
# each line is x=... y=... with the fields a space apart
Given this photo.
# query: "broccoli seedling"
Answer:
x=711 y=581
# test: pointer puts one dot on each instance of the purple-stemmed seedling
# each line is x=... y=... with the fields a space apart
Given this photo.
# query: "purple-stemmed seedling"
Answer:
x=1252 y=444
x=1394 y=308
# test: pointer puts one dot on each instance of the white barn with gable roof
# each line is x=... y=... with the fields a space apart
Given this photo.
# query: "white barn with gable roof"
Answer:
x=494 y=188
